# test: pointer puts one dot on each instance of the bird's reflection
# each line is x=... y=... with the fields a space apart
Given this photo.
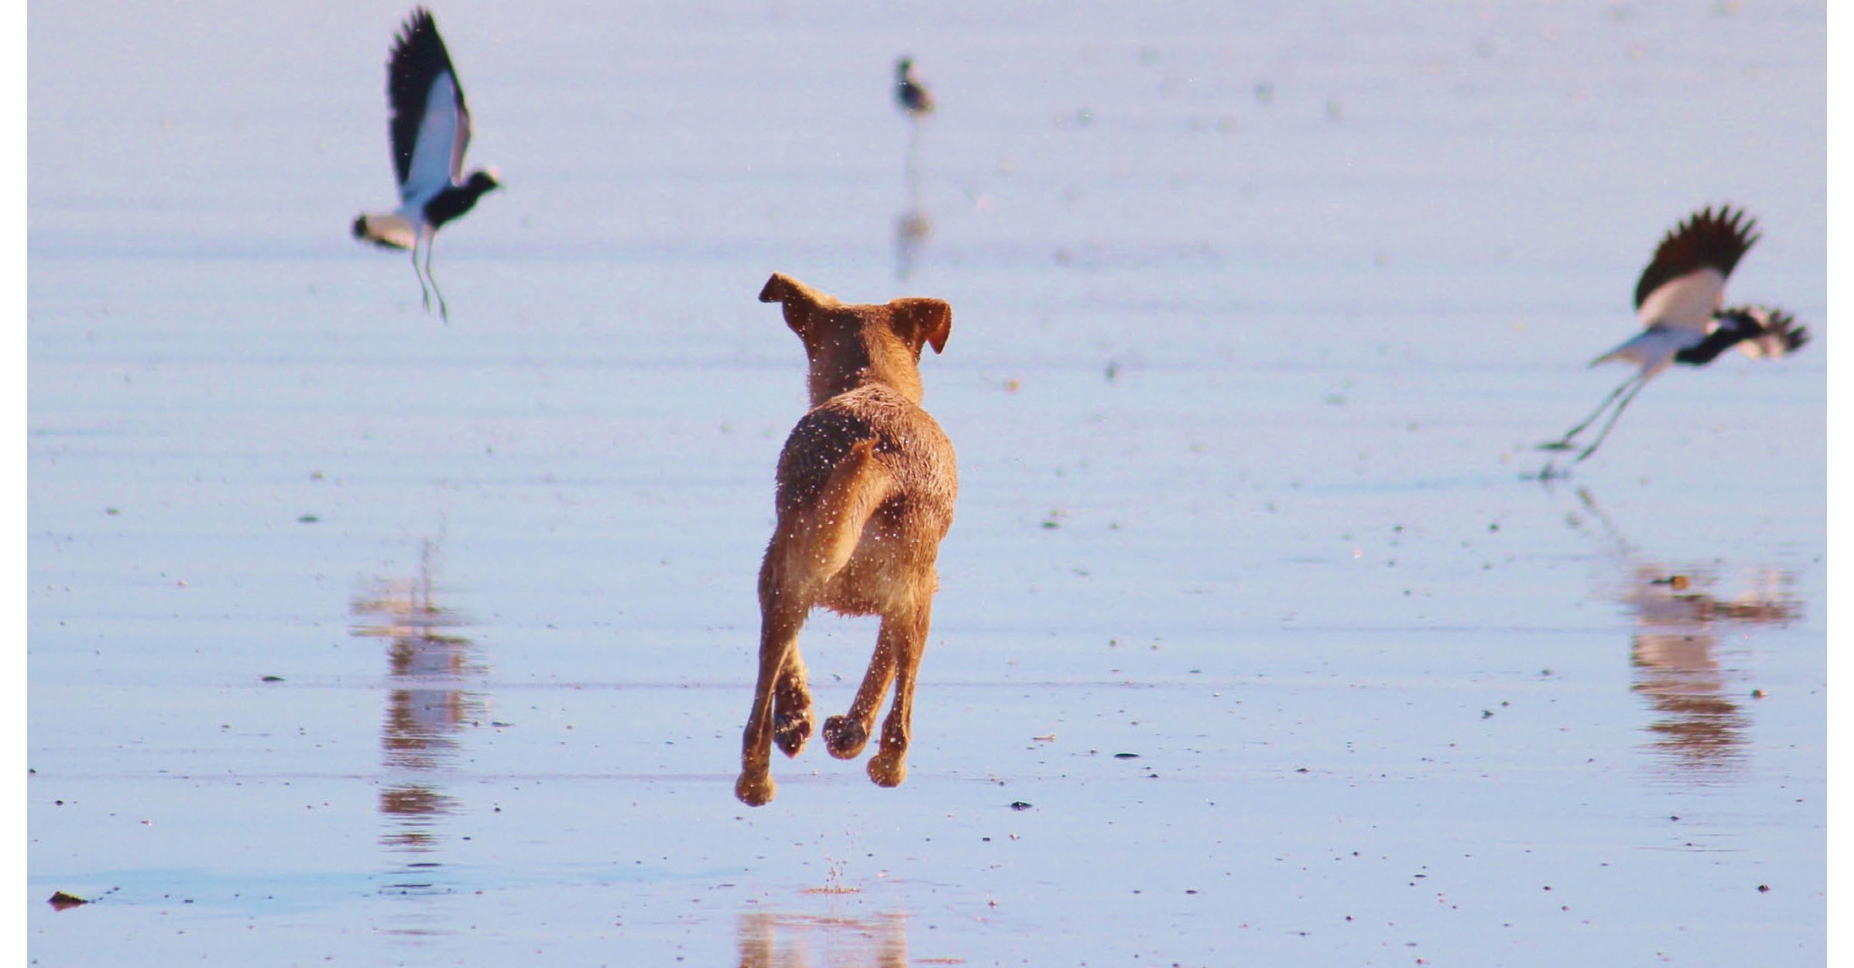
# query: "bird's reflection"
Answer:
x=913 y=226
x=1678 y=661
x=1680 y=666
x=773 y=940
x=427 y=708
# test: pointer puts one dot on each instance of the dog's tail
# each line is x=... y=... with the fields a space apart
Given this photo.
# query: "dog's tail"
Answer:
x=823 y=540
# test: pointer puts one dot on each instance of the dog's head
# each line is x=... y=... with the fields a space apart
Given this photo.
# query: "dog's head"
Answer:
x=851 y=345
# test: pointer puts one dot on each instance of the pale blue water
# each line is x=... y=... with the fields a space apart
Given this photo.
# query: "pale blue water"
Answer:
x=1258 y=313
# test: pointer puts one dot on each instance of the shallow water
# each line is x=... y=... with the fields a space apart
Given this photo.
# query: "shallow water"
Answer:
x=358 y=637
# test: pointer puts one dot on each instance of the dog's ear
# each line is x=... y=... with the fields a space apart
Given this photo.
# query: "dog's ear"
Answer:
x=924 y=320
x=779 y=288
x=799 y=300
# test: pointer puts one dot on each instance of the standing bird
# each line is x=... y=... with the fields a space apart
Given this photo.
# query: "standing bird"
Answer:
x=909 y=92
x=915 y=101
x=430 y=128
x=1679 y=300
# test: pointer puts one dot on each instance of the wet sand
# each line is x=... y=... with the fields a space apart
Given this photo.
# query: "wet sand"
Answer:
x=355 y=637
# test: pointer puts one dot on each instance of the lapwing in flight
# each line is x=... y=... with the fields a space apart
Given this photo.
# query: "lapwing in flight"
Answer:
x=430 y=129
x=1680 y=301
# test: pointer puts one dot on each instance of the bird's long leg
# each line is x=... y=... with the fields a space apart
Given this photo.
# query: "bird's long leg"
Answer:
x=424 y=294
x=1640 y=382
x=443 y=312
x=1564 y=442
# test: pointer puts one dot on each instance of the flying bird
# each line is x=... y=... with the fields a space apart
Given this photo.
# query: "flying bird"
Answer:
x=430 y=129
x=1679 y=301
x=910 y=94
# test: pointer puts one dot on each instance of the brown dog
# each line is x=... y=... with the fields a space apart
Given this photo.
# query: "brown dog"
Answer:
x=865 y=493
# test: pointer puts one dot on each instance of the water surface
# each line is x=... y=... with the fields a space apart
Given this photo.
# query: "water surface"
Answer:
x=359 y=637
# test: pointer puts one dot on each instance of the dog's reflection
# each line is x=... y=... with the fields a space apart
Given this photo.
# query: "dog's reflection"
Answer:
x=427 y=705
x=773 y=940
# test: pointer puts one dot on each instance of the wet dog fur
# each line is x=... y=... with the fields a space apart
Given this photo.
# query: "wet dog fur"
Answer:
x=865 y=492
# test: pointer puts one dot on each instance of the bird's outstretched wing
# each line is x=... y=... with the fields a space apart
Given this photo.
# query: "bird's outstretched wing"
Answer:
x=430 y=125
x=1768 y=333
x=1685 y=284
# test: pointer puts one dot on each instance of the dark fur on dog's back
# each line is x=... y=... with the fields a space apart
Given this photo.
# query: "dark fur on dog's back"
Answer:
x=866 y=485
x=904 y=469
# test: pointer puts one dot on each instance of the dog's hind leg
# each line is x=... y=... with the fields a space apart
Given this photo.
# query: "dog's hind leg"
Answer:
x=791 y=704
x=846 y=735
x=906 y=643
x=782 y=614
x=810 y=546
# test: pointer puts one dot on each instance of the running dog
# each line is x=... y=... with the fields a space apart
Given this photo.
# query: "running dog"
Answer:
x=864 y=493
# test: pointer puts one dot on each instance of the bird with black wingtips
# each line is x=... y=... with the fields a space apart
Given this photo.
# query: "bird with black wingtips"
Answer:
x=430 y=129
x=1679 y=301
x=1767 y=332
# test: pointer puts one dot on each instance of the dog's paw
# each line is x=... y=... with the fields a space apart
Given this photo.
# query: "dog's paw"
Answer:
x=845 y=737
x=888 y=769
x=792 y=730
x=755 y=789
